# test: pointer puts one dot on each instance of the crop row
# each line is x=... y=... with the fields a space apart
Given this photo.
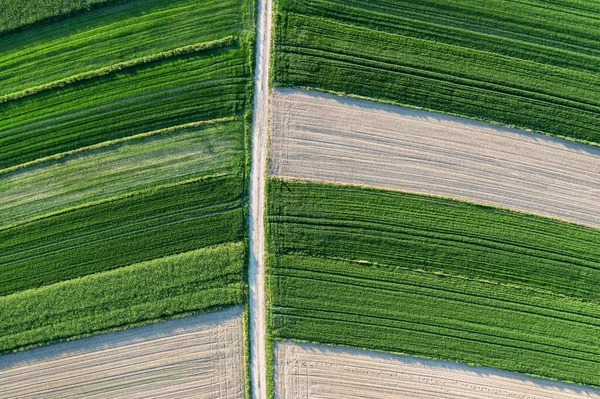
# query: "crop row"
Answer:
x=120 y=232
x=423 y=314
x=410 y=231
x=121 y=31
x=420 y=70
x=120 y=167
x=195 y=281
x=203 y=86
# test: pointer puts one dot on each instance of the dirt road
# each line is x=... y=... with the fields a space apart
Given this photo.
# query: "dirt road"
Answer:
x=322 y=137
x=256 y=267
x=192 y=357
x=313 y=371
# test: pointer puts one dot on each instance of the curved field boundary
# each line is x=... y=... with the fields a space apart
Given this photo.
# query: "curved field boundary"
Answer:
x=307 y=371
x=193 y=357
x=330 y=138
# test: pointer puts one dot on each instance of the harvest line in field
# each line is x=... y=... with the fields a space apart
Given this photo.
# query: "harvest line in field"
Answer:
x=121 y=66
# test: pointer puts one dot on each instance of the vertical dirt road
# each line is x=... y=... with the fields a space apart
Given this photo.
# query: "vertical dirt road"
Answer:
x=256 y=267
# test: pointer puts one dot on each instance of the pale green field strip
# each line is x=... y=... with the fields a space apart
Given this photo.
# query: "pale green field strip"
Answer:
x=199 y=357
x=112 y=34
x=18 y=13
x=119 y=168
x=323 y=137
x=142 y=226
x=304 y=371
x=186 y=283
x=208 y=85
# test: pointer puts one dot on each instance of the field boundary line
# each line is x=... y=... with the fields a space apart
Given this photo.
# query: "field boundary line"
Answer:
x=121 y=66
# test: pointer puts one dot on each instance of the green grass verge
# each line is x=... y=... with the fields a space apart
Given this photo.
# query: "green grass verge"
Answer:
x=118 y=32
x=347 y=303
x=204 y=86
x=434 y=234
x=120 y=167
x=486 y=74
x=433 y=277
x=191 y=282
x=120 y=232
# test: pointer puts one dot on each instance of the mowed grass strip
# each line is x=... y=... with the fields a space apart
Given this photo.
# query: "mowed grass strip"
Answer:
x=399 y=230
x=423 y=314
x=190 y=282
x=203 y=86
x=120 y=232
x=120 y=167
x=16 y=14
x=355 y=56
x=117 y=32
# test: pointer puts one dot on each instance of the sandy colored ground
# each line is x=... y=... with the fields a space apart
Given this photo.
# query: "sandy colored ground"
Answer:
x=313 y=371
x=192 y=357
x=323 y=137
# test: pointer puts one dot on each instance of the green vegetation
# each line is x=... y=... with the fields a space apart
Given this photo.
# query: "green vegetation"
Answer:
x=116 y=33
x=120 y=232
x=17 y=13
x=531 y=65
x=434 y=277
x=195 y=281
x=208 y=85
x=120 y=167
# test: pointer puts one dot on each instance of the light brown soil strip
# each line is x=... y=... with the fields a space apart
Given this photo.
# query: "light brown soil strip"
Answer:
x=313 y=371
x=323 y=137
x=192 y=357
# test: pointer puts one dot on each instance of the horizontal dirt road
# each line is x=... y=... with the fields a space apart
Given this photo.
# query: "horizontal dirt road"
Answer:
x=192 y=357
x=323 y=137
x=312 y=371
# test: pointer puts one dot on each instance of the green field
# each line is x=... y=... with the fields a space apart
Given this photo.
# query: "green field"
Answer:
x=208 y=85
x=120 y=167
x=191 y=282
x=433 y=277
x=534 y=66
x=124 y=131
x=122 y=31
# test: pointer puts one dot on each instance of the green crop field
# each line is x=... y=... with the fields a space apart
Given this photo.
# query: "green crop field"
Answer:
x=528 y=64
x=124 y=131
x=190 y=282
x=433 y=277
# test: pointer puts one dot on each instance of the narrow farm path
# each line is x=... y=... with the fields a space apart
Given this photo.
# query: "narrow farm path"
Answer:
x=256 y=272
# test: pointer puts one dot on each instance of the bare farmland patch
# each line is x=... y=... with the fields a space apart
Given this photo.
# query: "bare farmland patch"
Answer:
x=311 y=371
x=199 y=356
x=323 y=137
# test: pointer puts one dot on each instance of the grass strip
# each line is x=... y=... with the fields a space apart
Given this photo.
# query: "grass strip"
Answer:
x=136 y=228
x=186 y=283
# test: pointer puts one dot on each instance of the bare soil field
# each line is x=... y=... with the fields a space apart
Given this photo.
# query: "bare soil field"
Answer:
x=200 y=356
x=313 y=371
x=324 y=137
